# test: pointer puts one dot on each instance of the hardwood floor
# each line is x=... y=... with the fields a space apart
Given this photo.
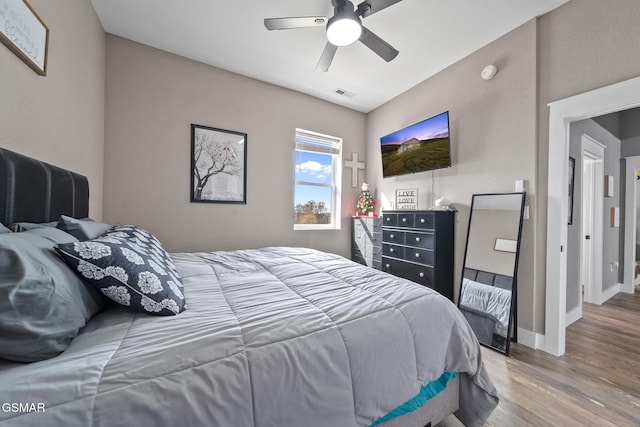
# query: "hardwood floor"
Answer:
x=595 y=383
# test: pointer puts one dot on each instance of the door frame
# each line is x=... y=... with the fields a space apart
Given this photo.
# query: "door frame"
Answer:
x=632 y=164
x=609 y=99
x=595 y=151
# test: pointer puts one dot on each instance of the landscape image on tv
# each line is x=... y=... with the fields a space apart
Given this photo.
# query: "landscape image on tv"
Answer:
x=420 y=147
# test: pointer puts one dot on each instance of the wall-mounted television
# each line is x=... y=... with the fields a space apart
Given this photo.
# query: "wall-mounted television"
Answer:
x=423 y=146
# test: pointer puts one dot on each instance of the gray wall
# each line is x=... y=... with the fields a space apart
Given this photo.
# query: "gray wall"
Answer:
x=611 y=236
x=493 y=131
x=612 y=123
x=60 y=118
x=583 y=45
x=630 y=132
x=486 y=226
x=152 y=99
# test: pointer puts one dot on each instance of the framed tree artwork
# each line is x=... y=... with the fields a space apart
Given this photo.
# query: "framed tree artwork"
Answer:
x=24 y=33
x=218 y=165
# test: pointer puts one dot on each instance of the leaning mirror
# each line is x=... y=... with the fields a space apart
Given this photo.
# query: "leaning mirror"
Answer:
x=489 y=277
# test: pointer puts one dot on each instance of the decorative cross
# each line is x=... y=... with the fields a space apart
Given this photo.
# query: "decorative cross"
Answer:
x=355 y=165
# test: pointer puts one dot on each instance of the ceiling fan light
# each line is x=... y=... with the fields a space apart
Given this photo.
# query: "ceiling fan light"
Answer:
x=343 y=30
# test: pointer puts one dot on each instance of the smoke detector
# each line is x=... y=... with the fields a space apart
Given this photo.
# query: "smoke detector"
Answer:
x=488 y=72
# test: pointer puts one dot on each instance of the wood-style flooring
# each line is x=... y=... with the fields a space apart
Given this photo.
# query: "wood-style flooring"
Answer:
x=595 y=383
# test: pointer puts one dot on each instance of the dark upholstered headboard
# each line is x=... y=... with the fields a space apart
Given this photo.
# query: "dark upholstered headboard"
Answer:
x=492 y=279
x=33 y=191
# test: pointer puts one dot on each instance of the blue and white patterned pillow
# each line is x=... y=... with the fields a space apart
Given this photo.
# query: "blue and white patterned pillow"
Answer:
x=130 y=266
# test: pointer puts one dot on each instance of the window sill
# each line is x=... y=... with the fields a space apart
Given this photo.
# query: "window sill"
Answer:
x=316 y=227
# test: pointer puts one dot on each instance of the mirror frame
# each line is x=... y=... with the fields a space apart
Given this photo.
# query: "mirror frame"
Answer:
x=513 y=315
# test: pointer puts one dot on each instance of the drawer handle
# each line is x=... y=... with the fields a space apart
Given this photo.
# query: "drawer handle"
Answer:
x=391 y=250
x=417 y=239
x=422 y=220
x=391 y=236
x=404 y=219
x=388 y=218
x=417 y=255
x=421 y=274
x=389 y=266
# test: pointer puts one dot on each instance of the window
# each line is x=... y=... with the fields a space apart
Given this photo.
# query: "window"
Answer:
x=317 y=181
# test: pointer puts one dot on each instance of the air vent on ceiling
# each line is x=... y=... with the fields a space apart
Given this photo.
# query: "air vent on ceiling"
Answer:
x=345 y=93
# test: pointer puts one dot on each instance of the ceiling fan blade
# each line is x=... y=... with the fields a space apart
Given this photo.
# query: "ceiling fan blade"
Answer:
x=383 y=49
x=327 y=57
x=369 y=7
x=297 y=22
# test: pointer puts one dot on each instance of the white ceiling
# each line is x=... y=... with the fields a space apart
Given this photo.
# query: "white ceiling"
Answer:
x=430 y=35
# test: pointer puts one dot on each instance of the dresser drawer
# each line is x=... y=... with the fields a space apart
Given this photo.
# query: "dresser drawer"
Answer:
x=422 y=256
x=406 y=220
x=366 y=241
x=417 y=273
x=367 y=237
x=390 y=220
x=425 y=220
x=393 y=236
x=393 y=250
x=420 y=240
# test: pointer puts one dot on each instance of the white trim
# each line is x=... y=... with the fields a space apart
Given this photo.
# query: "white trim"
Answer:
x=574 y=315
x=530 y=339
x=333 y=145
x=611 y=292
x=632 y=164
x=609 y=99
x=595 y=150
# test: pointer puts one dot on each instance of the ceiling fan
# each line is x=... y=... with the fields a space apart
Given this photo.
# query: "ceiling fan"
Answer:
x=344 y=28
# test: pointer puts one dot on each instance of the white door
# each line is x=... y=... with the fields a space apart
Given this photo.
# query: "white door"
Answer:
x=586 y=262
x=592 y=241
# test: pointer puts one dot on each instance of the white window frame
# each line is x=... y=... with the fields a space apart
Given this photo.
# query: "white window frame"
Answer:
x=336 y=176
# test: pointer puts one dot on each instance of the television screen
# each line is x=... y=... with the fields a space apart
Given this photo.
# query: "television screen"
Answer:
x=420 y=147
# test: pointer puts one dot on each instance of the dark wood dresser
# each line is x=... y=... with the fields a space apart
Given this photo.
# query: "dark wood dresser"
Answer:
x=418 y=245
x=366 y=241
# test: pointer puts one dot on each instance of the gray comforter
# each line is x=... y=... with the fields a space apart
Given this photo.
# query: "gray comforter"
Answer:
x=271 y=337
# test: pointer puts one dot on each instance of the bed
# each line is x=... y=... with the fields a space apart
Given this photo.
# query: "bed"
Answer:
x=268 y=337
x=485 y=301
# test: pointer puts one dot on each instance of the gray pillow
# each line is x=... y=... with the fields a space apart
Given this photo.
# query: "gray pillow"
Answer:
x=24 y=226
x=4 y=229
x=43 y=303
x=82 y=229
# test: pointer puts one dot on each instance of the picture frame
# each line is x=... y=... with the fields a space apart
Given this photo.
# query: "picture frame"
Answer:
x=572 y=167
x=407 y=199
x=505 y=245
x=218 y=165
x=24 y=33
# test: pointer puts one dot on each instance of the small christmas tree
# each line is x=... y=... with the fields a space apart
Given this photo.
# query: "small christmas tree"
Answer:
x=365 y=203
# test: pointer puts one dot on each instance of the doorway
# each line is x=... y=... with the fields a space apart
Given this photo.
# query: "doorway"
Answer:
x=609 y=99
x=632 y=202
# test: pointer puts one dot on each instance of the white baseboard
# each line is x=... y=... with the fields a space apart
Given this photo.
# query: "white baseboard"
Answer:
x=528 y=338
x=574 y=315
x=612 y=291
x=534 y=340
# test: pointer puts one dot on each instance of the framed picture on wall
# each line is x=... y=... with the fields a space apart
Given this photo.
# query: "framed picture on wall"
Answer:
x=218 y=165
x=572 y=167
x=24 y=33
